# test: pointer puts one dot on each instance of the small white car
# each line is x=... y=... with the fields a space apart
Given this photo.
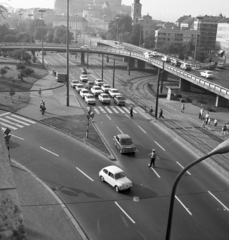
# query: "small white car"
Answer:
x=74 y=82
x=83 y=78
x=85 y=47
x=104 y=98
x=89 y=98
x=116 y=177
x=113 y=92
x=83 y=92
x=99 y=82
x=207 y=74
x=96 y=90
x=166 y=59
x=79 y=86
x=106 y=87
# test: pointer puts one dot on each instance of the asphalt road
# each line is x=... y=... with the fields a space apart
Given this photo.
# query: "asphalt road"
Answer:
x=71 y=169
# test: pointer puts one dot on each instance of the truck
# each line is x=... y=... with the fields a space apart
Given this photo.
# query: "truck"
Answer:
x=61 y=77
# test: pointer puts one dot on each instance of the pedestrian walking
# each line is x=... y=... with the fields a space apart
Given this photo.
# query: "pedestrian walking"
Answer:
x=207 y=116
x=201 y=113
x=131 y=111
x=209 y=121
x=203 y=124
x=153 y=157
x=161 y=114
x=215 y=122
x=224 y=129
x=182 y=107
x=39 y=92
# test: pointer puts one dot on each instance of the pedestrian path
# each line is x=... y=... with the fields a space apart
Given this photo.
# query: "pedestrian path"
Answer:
x=13 y=121
x=112 y=110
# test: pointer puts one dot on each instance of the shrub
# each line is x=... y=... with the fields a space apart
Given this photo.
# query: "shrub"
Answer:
x=28 y=71
x=20 y=66
x=7 y=67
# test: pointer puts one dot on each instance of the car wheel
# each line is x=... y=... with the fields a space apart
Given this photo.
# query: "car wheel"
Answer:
x=102 y=178
x=116 y=188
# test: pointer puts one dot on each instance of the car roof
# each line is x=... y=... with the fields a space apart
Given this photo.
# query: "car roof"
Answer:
x=99 y=79
x=122 y=135
x=104 y=94
x=113 y=89
x=89 y=94
x=114 y=169
x=79 y=84
x=83 y=89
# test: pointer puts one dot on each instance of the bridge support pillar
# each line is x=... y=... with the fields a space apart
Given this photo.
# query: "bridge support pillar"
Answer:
x=141 y=64
x=82 y=58
x=130 y=63
x=221 y=102
x=107 y=59
x=125 y=59
x=185 y=85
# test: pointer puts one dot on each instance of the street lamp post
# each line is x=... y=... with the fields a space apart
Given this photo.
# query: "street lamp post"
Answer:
x=67 y=50
x=220 y=149
x=113 y=85
x=30 y=16
x=76 y=25
x=117 y=18
x=102 y=66
x=140 y=36
x=42 y=37
x=196 y=44
x=20 y=14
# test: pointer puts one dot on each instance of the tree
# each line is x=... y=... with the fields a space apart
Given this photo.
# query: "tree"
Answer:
x=38 y=32
x=3 y=10
x=59 y=35
x=21 y=55
x=12 y=93
x=150 y=41
x=134 y=36
x=3 y=71
x=10 y=38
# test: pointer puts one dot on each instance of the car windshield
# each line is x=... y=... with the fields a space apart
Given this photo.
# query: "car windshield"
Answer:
x=120 y=98
x=119 y=175
x=126 y=141
x=115 y=91
x=90 y=97
x=97 y=88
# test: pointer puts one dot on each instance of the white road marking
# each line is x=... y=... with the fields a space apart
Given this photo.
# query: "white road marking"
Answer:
x=3 y=114
x=84 y=174
x=142 y=129
x=218 y=200
x=102 y=110
x=24 y=119
x=108 y=116
x=49 y=151
x=125 y=213
x=127 y=110
x=128 y=116
x=160 y=146
x=17 y=137
x=9 y=122
x=8 y=126
x=155 y=172
x=108 y=110
x=113 y=108
x=120 y=109
x=16 y=120
x=183 y=167
x=183 y=205
x=96 y=110
x=120 y=130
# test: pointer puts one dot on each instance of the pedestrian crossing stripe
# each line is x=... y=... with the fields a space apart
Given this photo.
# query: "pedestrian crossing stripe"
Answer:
x=111 y=109
x=9 y=122
x=108 y=110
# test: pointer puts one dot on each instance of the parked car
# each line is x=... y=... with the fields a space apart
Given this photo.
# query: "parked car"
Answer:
x=166 y=59
x=148 y=54
x=89 y=84
x=99 y=82
x=96 y=90
x=207 y=74
x=116 y=177
x=83 y=78
x=74 y=82
x=89 y=98
x=119 y=100
x=175 y=62
x=79 y=86
x=186 y=66
x=124 y=143
x=211 y=66
x=113 y=92
x=106 y=87
x=83 y=92
x=104 y=98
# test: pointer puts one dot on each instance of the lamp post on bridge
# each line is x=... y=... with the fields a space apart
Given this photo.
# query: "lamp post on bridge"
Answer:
x=30 y=16
x=67 y=51
x=117 y=18
x=42 y=11
x=20 y=14
x=140 y=36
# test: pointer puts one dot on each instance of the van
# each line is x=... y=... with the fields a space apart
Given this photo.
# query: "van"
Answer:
x=61 y=77
x=186 y=66
x=166 y=59
x=175 y=62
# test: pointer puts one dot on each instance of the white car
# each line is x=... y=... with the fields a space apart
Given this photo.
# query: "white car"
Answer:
x=207 y=74
x=113 y=92
x=96 y=90
x=83 y=92
x=89 y=98
x=85 y=47
x=116 y=177
x=79 y=86
x=99 y=82
x=104 y=98
x=106 y=87
x=74 y=82
x=166 y=59
x=83 y=78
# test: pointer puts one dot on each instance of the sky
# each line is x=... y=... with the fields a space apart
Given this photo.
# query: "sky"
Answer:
x=165 y=10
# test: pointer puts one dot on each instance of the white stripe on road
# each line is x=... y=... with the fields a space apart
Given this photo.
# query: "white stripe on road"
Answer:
x=17 y=137
x=142 y=129
x=24 y=119
x=218 y=200
x=3 y=114
x=108 y=110
x=96 y=110
x=84 y=174
x=125 y=213
x=155 y=172
x=16 y=120
x=113 y=108
x=183 y=205
x=102 y=110
x=49 y=151
x=108 y=116
x=128 y=116
x=127 y=110
x=160 y=146
x=15 y=124
x=120 y=109
x=183 y=167
x=8 y=126
x=120 y=130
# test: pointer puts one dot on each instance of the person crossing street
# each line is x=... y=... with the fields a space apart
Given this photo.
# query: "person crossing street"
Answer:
x=153 y=157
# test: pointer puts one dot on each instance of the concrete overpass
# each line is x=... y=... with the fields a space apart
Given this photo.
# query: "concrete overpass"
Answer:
x=187 y=79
